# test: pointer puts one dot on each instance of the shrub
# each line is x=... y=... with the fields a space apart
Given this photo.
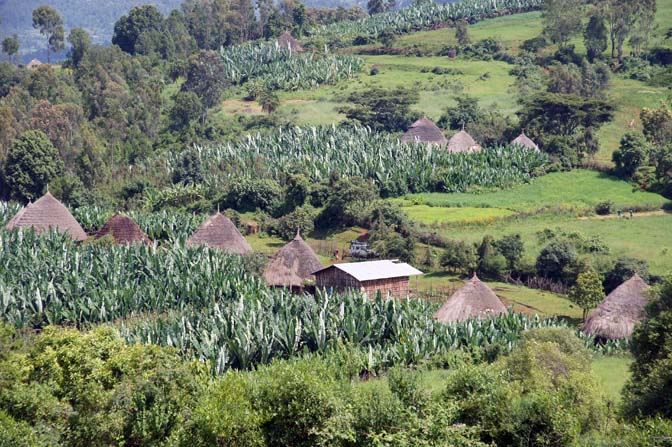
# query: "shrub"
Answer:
x=554 y=260
x=604 y=208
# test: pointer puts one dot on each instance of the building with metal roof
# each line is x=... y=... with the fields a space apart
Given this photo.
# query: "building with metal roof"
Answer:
x=388 y=277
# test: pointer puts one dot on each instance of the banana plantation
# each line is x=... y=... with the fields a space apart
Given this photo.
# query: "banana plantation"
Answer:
x=279 y=68
x=424 y=16
x=396 y=168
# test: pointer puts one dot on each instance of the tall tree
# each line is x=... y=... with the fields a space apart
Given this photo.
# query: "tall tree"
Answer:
x=10 y=46
x=32 y=163
x=621 y=16
x=128 y=29
x=462 y=33
x=562 y=20
x=205 y=77
x=80 y=42
x=50 y=24
x=587 y=293
x=595 y=37
x=388 y=110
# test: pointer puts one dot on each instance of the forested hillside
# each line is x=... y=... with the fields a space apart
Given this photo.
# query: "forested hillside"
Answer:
x=95 y=16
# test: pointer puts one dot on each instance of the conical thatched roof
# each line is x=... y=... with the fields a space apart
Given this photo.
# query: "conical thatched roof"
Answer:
x=47 y=213
x=473 y=300
x=219 y=232
x=424 y=131
x=463 y=142
x=286 y=40
x=525 y=141
x=292 y=265
x=616 y=316
x=124 y=230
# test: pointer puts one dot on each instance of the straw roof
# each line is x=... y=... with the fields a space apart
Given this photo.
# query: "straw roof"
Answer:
x=124 y=230
x=463 y=142
x=424 y=131
x=286 y=40
x=525 y=141
x=473 y=300
x=219 y=232
x=616 y=316
x=47 y=213
x=293 y=264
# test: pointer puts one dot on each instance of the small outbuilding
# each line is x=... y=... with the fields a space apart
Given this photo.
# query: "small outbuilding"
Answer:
x=293 y=265
x=45 y=214
x=616 y=317
x=473 y=300
x=124 y=231
x=286 y=40
x=424 y=131
x=219 y=232
x=387 y=277
x=525 y=141
x=34 y=63
x=463 y=142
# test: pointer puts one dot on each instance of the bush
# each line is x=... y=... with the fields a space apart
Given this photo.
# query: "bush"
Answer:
x=301 y=219
x=604 y=208
x=247 y=194
x=224 y=416
x=554 y=260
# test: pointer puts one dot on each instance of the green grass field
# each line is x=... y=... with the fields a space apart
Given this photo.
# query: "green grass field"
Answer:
x=439 y=215
x=647 y=238
x=579 y=189
x=612 y=373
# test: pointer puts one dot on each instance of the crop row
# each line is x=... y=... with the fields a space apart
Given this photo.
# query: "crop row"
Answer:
x=424 y=16
x=281 y=69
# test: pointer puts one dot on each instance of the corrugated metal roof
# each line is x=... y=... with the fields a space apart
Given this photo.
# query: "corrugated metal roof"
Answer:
x=370 y=270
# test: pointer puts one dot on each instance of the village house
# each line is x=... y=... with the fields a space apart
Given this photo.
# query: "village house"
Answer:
x=387 y=277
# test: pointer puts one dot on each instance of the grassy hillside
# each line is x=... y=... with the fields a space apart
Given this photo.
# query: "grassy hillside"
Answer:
x=579 y=189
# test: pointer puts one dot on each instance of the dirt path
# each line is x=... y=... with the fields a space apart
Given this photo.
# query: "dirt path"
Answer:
x=627 y=215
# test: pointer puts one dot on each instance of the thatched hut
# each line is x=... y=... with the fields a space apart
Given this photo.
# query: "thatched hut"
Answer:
x=219 y=232
x=463 y=142
x=45 y=214
x=124 y=231
x=424 y=131
x=525 y=141
x=286 y=40
x=616 y=316
x=292 y=265
x=473 y=300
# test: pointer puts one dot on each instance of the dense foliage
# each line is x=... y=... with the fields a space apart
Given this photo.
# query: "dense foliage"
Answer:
x=396 y=168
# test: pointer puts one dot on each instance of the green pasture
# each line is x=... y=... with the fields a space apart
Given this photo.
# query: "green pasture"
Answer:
x=438 y=215
x=579 y=189
x=644 y=237
x=612 y=372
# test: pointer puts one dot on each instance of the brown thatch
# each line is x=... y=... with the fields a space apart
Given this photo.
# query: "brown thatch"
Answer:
x=463 y=142
x=616 y=316
x=47 y=213
x=473 y=300
x=525 y=141
x=292 y=265
x=286 y=40
x=124 y=230
x=219 y=232
x=424 y=131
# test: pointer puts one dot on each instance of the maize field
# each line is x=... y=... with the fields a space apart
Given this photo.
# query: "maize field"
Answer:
x=396 y=168
x=281 y=69
x=424 y=16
